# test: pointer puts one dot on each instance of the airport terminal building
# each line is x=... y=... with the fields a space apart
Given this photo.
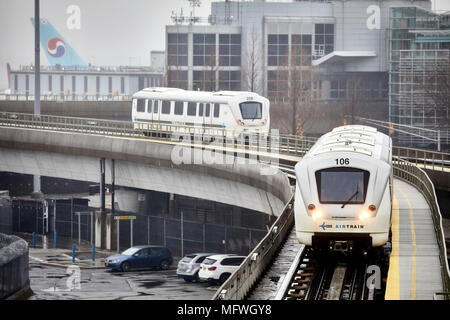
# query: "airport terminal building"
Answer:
x=338 y=52
x=83 y=83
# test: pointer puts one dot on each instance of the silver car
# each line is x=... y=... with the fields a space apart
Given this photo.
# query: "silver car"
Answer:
x=189 y=266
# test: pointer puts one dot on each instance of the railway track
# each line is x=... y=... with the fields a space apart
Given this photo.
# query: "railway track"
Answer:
x=329 y=278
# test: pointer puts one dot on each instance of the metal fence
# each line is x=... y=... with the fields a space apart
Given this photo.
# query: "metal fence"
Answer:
x=13 y=265
x=239 y=284
x=187 y=236
x=29 y=216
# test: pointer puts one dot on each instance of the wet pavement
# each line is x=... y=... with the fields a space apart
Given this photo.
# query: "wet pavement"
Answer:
x=53 y=276
x=50 y=283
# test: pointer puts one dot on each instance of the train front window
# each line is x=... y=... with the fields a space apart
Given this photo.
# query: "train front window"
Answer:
x=251 y=110
x=342 y=185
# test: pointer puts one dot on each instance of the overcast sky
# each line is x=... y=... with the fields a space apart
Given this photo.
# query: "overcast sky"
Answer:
x=112 y=32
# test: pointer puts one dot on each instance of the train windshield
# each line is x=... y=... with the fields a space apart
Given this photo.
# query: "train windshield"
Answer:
x=251 y=110
x=342 y=185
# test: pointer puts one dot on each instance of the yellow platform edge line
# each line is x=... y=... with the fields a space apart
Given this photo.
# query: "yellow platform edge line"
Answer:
x=393 y=279
x=413 y=243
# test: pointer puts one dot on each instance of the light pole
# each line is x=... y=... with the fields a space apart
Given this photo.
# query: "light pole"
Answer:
x=37 y=86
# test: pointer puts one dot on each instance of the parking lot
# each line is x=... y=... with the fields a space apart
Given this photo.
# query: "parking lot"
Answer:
x=49 y=282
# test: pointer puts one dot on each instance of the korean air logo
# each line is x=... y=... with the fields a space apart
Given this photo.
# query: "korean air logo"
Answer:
x=56 y=47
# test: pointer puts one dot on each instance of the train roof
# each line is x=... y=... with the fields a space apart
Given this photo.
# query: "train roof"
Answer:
x=191 y=95
x=356 y=139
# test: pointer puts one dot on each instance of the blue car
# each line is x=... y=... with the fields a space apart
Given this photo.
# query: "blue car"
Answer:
x=140 y=257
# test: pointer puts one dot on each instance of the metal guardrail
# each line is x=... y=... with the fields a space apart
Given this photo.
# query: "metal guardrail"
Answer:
x=432 y=160
x=239 y=284
x=412 y=174
x=287 y=144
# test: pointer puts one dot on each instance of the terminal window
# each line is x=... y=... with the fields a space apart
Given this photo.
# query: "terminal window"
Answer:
x=301 y=49
x=204 y=80
x=177 y=49
x=230 y=49
x=229 y=80
x=204 y=49
x=277 y=49
x=177 y=79
x=323 y=39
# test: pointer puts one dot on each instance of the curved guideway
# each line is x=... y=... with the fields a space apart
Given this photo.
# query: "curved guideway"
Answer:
x=414 y=267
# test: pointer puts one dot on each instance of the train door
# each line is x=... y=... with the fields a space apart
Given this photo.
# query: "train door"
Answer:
x=208 y=114
x=149 y=115
x=156 y=115
x=191 y=114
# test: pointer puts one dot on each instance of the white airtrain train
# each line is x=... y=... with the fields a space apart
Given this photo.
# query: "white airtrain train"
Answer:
x=233 y=112
x=344 y=190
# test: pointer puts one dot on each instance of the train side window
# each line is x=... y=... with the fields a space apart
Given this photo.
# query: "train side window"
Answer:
x=179 y=108
x=149 y=106
x=208 y=110
x=155 y=106
x=165 y=107
x=140 y=105
x=200 y=109
x=216 y=110
x=192 y=109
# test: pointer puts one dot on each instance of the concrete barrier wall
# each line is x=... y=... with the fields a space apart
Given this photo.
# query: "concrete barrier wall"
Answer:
x=273 y=190
x=113 y=110
x=14 y=275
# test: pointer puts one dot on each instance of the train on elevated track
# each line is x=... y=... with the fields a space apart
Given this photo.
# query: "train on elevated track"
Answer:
x=343 y=195
x=232 y=113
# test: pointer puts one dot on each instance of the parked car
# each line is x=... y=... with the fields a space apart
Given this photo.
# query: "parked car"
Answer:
x=217 y=268
x=189 y=266
x=141 y=257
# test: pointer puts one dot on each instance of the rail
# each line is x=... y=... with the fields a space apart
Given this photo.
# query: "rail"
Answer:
x=431 y=160
x=239 y=284
x=286 y=144
x=414 y=175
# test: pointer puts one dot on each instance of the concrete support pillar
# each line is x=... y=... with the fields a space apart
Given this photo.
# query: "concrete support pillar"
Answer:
x=172 y=205
x=100 y=230
x=111 y=232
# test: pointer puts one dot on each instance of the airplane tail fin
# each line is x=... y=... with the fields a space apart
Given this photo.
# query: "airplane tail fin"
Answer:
x=56 y=48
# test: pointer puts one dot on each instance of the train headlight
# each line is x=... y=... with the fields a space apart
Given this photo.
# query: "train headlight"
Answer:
x=372 y=208
x=364 y=215
x=317 y=214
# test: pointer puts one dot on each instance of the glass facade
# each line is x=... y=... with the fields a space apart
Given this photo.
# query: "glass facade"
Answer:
x=230 y=50
x=204 y=46
x=214 y=63
x=177 y=49
x=204 y=80
x=277 y=49
x=230 y=80
x=419 y=42
x=289 y=58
